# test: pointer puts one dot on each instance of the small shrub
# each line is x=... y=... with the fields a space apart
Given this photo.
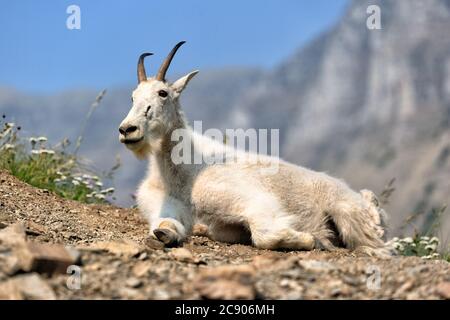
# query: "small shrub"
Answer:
x=420 y=246
x=424 y=243
x=54 y=168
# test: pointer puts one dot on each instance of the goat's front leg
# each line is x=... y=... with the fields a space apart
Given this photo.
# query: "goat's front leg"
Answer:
x=169 y=231
x=170 y=219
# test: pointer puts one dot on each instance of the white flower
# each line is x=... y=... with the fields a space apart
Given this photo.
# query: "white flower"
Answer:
x=435 y=255
x=425 y=238
x=46 y=151
x=33 y=140
x=99 y=184
x=79 y=179
x=109 y=190
x=10 y=124
x=395 y=239
x=431 y=247
x=399 y=246
x=57 y=180
x=426 y=257
x=42 y=139
x=407 y=240
x=9 y=146
x=34 y=151
x=434 y=240
x=100 y=196
x=75 y=182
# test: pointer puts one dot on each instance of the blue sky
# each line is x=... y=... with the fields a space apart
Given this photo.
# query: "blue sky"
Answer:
x=39 y=54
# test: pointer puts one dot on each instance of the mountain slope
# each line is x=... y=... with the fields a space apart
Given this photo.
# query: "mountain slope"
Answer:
x=366 y=106
x=118 y=262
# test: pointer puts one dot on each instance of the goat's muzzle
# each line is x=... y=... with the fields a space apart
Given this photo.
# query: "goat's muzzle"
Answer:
x=130 y=134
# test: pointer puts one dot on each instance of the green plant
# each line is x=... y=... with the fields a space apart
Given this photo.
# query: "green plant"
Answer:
x=56 y=168
x=420 y=246
x=424 y=243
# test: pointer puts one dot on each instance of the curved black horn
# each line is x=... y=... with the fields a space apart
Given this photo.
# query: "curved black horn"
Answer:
x=141 y=68
x=161 y=75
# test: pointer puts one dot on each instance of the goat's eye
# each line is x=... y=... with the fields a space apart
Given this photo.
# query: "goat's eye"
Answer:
x=162 y=93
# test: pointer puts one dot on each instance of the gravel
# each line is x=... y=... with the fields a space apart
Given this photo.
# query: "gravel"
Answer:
x=117 y=261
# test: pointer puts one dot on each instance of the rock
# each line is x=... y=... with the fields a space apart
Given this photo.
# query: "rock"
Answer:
x=70 y=235
x=26 y=287
x=9 y=263
x=338 y=288
x=443 y=289
x=141 y=268
x=35 y=229
x=161 y=294
x=405 y=287
x=133 y=282
x=129 y=293
x=143 y=256
x=226 y=282
x=316 y=266
x=31 y=256
x=154 y=244
x=285 y=283
x=93 y=267
x=124 y=248
x=46 y=258
x=13 y=235
x=74 y=253
x=182 y=255
x=264 y=261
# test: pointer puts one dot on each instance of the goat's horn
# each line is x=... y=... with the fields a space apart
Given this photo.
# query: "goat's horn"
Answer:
x=141 y=68
x=165 y=65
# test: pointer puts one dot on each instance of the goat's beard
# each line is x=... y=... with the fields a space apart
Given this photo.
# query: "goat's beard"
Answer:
x=141 y=150
x=146 y=148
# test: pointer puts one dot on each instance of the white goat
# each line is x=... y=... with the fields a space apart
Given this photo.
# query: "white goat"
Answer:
x=294 y=209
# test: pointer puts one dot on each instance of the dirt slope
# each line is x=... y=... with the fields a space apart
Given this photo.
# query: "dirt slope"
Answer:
x=117 y=262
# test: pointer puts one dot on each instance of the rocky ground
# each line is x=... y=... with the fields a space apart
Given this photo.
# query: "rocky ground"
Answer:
x=47 y=244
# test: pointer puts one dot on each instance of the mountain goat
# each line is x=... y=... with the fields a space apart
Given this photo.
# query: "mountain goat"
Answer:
x=295 y=208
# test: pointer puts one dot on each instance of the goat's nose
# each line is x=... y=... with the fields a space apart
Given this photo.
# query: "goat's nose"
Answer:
x=127 y=129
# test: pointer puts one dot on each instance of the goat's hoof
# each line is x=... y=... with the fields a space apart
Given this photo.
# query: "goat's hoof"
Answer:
x=307 y=240
x=200 y=230
x=166 y=236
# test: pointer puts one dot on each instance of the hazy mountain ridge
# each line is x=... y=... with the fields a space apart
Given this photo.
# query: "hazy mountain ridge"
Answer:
x=367 y=105
x=364 y=105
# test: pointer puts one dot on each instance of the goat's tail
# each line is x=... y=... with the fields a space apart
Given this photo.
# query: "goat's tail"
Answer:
x=360 y=223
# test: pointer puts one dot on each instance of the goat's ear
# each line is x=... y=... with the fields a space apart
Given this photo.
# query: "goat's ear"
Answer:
x=179 y=85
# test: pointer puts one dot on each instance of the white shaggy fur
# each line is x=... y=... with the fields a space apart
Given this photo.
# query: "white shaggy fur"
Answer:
x=295 y=208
